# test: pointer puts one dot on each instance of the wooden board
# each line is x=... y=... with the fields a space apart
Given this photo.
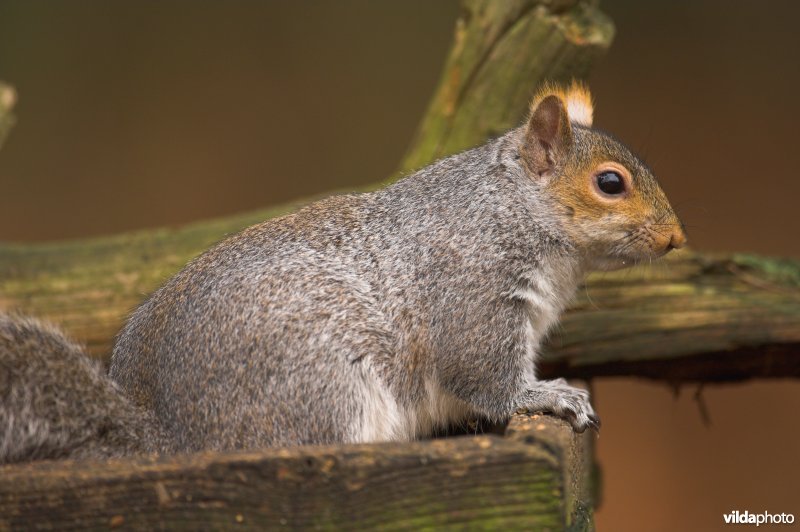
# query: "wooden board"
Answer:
x=526 y=480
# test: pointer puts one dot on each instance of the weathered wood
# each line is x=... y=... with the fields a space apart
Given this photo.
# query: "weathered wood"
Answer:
x=8 y=98
x=575 y=453
x=722 y=317
x=485 y=482
x=692 y=317
x=501 y=52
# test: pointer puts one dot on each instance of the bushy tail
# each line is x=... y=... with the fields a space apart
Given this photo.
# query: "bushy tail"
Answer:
x=56 y=402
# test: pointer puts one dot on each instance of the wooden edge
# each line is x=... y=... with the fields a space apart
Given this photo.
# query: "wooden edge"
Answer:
x=768 y=361
x=486 y=481
x=692 y=317
x=574 y=452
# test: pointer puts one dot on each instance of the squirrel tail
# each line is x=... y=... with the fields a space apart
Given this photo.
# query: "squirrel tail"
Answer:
x=57 y=402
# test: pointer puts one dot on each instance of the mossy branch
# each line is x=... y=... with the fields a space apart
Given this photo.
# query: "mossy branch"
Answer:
x=501 y=52
x=691 y=317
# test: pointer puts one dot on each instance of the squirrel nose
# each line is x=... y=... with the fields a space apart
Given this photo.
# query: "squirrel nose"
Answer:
x=677 y=239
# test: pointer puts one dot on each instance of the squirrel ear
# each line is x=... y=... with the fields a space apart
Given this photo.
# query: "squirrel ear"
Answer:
x=548 y=135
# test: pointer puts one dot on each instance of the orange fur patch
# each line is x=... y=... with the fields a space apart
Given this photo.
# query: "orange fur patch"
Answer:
x=576 y=98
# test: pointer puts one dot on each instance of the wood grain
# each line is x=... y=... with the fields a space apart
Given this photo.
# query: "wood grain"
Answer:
x=485 y=482
x=692 y=317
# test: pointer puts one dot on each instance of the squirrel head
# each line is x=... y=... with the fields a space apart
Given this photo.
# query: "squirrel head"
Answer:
x=608 y=202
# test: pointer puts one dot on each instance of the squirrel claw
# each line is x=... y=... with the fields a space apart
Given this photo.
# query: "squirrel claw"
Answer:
x=567 y=402
x=594 y=423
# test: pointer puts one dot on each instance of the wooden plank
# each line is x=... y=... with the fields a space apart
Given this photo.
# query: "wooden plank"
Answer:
x=694 y=317
x=485 y=482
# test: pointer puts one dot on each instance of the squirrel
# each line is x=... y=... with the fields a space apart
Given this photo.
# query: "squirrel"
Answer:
x=381 y=316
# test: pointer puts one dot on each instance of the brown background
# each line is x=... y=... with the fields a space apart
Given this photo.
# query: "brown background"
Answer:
x=137 y=115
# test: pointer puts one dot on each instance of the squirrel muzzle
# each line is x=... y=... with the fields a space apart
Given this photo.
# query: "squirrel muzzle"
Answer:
x=677 y=239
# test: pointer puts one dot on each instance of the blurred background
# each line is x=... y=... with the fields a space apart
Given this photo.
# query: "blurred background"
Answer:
x=143 y=114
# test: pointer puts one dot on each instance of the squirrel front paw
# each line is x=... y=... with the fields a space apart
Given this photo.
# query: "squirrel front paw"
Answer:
x=567 y=402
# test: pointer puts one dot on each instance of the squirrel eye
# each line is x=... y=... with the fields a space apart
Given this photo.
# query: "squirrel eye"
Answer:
x=610 y=183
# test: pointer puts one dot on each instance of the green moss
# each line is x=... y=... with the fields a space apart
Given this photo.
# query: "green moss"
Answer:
x=780 y=271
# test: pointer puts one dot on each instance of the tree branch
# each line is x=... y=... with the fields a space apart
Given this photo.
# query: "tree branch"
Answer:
x=693 y=317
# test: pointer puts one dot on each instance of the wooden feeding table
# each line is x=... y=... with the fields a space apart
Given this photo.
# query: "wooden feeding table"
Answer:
x=532 y=475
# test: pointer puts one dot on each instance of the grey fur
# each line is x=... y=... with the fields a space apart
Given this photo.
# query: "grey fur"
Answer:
x=55 y=402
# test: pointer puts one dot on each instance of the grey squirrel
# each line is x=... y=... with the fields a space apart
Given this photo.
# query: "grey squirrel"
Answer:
x=360 y=318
